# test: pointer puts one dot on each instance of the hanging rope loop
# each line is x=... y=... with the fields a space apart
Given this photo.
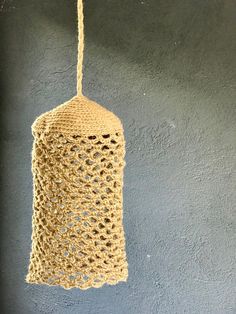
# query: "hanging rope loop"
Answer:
x=80 y=46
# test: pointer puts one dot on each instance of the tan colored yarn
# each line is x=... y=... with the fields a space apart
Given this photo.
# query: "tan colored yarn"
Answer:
x=77 y=165
x=80 y=46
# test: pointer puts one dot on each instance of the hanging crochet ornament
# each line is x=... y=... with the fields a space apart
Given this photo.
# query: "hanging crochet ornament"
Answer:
x=77 y=165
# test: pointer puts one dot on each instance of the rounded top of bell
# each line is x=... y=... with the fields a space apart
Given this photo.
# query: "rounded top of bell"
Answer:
x=78 y=116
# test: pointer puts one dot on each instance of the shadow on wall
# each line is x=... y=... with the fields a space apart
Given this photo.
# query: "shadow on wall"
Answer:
x=182 y=40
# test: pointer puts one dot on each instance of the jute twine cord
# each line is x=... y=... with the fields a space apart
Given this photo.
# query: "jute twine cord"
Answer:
x=77 y=165
x=80 y=46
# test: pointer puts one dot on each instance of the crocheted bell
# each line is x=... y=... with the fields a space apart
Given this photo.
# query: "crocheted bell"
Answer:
x=77 y=164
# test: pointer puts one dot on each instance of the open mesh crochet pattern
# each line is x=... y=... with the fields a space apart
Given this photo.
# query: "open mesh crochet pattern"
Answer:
x=77 y=165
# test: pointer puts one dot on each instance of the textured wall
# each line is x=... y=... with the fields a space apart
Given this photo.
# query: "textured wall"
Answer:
x=168 y=70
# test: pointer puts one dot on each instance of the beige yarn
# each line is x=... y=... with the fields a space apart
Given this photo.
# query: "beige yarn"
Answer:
x=80 y=46
x=77 y=165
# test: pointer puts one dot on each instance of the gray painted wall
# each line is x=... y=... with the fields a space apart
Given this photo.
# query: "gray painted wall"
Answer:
x=168 y=70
